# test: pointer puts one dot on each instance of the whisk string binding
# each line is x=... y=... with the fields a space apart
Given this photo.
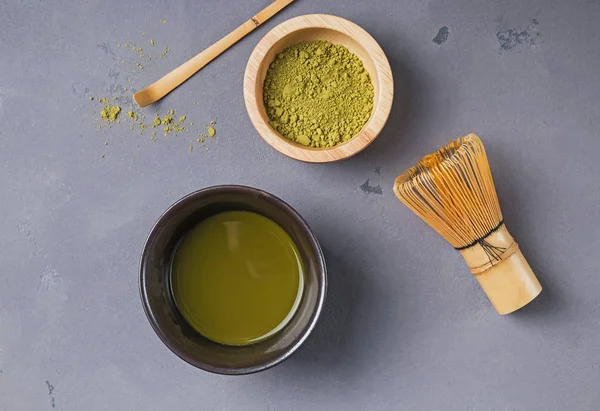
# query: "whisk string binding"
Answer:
x=479 y=240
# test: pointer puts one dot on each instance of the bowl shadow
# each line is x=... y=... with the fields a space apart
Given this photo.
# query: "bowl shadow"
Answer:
x=407 y=113
x=342 y=345
x=332 y=343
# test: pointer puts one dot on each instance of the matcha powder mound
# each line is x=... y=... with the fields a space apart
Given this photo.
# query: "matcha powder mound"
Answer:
x=318 y=94
x=109 y=113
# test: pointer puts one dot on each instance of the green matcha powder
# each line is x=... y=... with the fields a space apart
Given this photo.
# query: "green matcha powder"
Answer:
x=318 y=94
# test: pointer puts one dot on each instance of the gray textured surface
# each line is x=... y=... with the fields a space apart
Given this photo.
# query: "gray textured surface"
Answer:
x=406 y=326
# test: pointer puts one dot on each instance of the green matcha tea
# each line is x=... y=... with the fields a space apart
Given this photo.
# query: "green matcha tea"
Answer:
x=237 y=277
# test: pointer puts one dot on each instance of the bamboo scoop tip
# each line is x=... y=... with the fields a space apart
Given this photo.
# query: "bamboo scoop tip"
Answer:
x=142 y=98
x=175 y=78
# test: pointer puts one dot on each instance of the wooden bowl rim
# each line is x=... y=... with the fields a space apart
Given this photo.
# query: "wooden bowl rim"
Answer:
x=382 y=105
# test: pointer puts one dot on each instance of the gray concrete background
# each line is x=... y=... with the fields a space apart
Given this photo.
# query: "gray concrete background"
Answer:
x=406 y=326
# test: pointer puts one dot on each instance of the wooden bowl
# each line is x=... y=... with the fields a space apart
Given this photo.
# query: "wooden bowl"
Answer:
x=335 y=30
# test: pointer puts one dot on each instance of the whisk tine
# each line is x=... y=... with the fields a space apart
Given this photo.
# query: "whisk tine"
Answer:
x=454 y=184
x=452 y=190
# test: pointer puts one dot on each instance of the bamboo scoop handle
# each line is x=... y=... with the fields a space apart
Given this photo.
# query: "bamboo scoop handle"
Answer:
x=175 y=78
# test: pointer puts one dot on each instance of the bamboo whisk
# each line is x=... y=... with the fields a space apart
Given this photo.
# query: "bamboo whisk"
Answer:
x=452 y=190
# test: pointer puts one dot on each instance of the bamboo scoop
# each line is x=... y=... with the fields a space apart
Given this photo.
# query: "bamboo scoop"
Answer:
x=452 y=190
x=175 y=78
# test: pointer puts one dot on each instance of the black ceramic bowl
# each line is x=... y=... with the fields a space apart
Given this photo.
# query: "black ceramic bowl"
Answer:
x=157 y=297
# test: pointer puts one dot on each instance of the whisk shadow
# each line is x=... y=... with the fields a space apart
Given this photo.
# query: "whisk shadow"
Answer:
x=550 y=300
x=549 y=304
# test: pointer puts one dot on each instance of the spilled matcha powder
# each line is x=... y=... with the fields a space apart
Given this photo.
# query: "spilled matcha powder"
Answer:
x=109 y=113
x=118 y=107
x=318 y=94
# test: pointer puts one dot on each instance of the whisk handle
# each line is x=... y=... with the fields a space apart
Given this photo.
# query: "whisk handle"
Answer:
x=502 y=271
